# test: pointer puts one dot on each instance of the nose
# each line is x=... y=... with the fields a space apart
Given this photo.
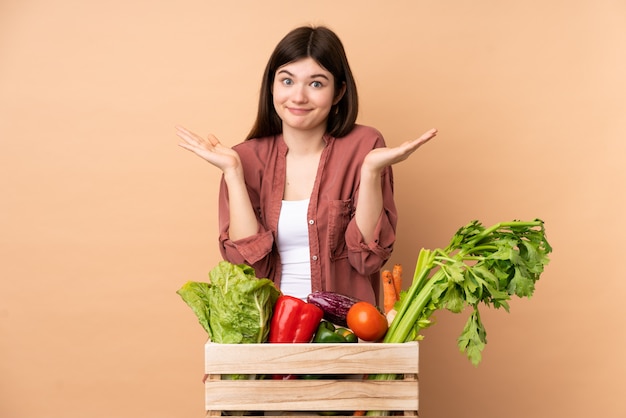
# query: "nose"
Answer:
x=299 y=94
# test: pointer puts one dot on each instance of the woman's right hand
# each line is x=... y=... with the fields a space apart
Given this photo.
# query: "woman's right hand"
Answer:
x=210 y=149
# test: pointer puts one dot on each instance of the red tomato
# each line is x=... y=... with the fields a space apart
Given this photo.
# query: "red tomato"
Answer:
x=366 y=321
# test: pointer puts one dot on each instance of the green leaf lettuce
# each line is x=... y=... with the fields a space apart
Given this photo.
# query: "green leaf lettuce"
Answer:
x=235 y=306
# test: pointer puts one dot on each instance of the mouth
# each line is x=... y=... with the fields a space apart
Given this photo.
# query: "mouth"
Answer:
x=298 y=111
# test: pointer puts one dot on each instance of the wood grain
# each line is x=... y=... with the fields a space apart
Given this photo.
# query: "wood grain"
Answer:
x=340 y=386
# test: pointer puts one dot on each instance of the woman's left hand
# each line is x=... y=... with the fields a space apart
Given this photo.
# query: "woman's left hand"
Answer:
x=379 y=158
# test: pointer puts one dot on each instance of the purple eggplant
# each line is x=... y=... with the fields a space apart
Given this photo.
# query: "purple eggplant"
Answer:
x=334 y=305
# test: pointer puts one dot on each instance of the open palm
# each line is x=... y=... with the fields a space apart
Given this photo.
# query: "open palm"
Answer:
x=379 y=158
x=210 y=149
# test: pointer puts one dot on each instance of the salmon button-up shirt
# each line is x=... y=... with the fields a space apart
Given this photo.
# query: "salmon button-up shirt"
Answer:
x=341 y=261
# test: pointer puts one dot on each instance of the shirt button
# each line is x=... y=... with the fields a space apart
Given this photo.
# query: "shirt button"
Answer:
x=311 y=221
x=314 y=258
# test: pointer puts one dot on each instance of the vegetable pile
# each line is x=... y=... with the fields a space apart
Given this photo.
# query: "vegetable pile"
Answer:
x=480 y=265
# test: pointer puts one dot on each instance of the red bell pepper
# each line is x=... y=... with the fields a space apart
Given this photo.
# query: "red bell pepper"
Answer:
x=294 y=320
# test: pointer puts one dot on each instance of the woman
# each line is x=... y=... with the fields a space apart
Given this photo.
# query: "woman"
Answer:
x=307 y=199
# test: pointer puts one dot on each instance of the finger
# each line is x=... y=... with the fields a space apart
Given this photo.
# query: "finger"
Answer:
x=187 y=147
x=194 y=139
x=180 y=130
x=213 y=140
x=409 y=147
x=427 y=136
x=187 y=136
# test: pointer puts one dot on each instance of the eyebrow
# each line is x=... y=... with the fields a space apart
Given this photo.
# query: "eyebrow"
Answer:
x=312 y=75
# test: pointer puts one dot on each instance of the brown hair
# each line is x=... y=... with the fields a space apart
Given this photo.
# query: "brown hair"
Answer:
x=323 y=45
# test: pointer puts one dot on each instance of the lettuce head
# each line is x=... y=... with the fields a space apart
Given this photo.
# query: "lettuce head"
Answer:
x=234 y=306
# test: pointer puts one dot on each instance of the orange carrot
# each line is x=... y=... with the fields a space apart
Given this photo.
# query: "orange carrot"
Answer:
x=397 y=278
x=389 y=291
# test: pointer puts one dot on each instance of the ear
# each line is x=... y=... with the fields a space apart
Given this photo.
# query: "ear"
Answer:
x=340 y=93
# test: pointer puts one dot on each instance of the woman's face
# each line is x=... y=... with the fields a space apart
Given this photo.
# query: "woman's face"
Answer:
x=303 y=93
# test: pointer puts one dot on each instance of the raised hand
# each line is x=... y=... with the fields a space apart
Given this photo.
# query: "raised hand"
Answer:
x=210 y=149
x=379 y=158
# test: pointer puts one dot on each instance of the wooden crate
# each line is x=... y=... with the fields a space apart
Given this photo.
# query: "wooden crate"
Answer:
x=343 y=391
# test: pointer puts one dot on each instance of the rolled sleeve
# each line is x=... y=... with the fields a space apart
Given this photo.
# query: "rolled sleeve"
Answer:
x=250 y=249
x=368 y=257
x=255 y=251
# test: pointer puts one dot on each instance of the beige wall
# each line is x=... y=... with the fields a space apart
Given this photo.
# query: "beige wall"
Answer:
x=103 y=217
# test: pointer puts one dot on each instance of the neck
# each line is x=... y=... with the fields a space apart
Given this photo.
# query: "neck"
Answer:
x=304 y=142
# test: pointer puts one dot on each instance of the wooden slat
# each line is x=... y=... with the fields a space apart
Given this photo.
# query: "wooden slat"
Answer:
x=361 y=358
x=311 y=395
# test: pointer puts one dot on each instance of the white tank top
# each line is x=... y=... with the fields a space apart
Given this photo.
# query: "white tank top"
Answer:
x=293 y=246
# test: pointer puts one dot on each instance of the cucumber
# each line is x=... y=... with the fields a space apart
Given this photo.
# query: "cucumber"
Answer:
x=334 y=305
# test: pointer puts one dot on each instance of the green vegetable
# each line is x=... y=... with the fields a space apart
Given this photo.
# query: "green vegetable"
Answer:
x=327 y=333
x=347 y=334
x=480 y=265
x=486 y=265
x=235 y=306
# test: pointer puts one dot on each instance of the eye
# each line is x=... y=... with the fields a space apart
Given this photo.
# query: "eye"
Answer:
x=317 y=84
x=287 y=81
